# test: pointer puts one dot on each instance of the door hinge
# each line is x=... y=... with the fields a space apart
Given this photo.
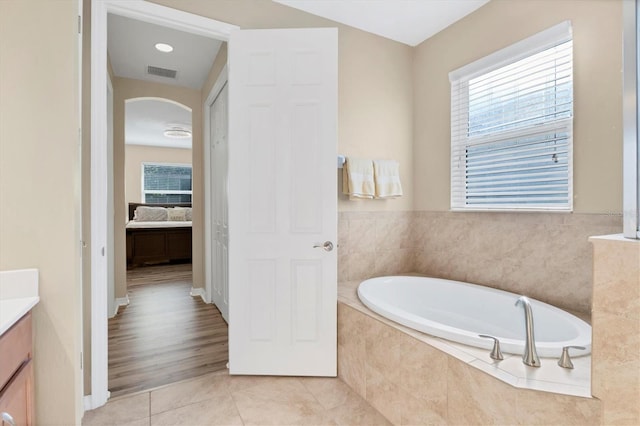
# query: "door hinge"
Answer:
x=79 y=24
x=81 y=361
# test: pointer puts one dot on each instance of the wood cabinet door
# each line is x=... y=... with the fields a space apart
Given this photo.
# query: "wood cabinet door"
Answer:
x=16 y=399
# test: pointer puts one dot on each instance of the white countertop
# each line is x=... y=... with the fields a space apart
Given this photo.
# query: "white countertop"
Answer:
x=18 y=295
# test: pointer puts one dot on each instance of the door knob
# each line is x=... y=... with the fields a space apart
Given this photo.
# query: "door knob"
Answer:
x=327 y=246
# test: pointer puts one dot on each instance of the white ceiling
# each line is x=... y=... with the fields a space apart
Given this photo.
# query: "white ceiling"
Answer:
x=147 y=119
x=407 y=21
x=131 y=46
x=131 y=49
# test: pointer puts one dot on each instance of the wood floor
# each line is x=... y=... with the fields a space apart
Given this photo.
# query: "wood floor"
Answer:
x=164 y=335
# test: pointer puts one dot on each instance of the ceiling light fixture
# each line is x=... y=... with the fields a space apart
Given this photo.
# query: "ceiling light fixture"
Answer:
x=164 y=47
x=177 y=133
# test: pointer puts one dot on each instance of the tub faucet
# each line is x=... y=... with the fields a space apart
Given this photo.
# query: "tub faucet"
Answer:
x=530 y=355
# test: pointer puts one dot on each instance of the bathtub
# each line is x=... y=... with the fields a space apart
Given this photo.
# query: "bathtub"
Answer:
x=459 y=311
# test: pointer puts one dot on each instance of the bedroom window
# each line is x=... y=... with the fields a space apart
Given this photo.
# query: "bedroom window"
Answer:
x=166 y=183
x=511 y=127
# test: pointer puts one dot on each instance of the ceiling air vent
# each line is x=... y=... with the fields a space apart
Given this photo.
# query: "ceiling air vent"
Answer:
x=161 y=72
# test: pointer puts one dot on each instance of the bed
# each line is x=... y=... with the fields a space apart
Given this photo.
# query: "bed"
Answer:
x=166 y=239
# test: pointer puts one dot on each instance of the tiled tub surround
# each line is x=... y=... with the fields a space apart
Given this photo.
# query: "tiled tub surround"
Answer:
x=616 y=328
x=546 y=256
x=414 y=379
x=412 y=382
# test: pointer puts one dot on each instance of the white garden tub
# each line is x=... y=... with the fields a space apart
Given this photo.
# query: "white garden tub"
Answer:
x=460 y=311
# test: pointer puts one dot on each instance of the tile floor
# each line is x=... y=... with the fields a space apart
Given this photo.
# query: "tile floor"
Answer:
x=220 y=399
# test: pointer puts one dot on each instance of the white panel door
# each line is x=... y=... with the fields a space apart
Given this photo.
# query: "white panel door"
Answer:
x=219 y=214
x=282 y=201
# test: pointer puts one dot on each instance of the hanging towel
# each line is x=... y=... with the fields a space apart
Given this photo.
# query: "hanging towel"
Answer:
x=357 y=175
x=387 y=178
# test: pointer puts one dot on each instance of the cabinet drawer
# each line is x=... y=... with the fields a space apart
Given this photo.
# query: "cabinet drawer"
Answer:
x=15 y=348
x=16 y=401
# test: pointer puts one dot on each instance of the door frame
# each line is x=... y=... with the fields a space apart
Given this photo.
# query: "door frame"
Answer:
x=152 y=13
x=208 y=242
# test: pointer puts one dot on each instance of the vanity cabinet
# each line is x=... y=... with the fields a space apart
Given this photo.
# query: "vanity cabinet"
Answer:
x=16 y=374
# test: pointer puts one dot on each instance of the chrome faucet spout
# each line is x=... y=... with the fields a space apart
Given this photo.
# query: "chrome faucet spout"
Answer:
x=530 y=355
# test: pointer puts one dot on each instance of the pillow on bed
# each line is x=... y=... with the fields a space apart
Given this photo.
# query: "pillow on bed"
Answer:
x=177 y=214
x=187 y=211
x=150 y=214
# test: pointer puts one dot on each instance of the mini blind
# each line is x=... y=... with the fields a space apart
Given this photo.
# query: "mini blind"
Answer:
x=511 y=127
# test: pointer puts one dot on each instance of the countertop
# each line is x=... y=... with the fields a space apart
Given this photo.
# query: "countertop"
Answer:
x=18 y=295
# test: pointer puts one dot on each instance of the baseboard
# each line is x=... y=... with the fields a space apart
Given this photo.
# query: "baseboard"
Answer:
x=88 y=402
x=121 y=301
x=197 y=291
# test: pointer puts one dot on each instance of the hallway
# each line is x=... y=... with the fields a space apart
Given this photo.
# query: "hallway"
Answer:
x=164 y=335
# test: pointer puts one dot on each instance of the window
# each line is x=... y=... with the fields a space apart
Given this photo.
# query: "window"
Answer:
x=166 y=183
x=511 y=127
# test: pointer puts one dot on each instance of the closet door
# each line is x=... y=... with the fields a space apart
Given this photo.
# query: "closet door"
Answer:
x=220 y=225
x=283 y=201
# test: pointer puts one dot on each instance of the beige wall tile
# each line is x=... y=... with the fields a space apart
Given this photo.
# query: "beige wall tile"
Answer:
x=616 y=367
x=616 y=277
x=383 y=350
x=543 y=408
x=393 y=230
x=351 y=348
x=615 y=338
x=360 y=265
x=384 y=395
x=423 y=372
x=476 y=398
x=415 y=411
x=545 y=256
x=394 y=262
x=362 y=234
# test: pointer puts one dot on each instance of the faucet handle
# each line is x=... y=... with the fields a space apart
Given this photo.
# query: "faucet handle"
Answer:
x=496 y=353
x=565 y=359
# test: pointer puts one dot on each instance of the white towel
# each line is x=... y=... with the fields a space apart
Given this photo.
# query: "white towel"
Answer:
x=357 y=175
x=387 y=178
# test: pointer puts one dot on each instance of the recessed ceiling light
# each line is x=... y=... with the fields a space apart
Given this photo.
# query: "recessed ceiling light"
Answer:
x=164 y=47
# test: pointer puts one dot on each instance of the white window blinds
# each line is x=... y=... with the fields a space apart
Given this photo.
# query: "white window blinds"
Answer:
x=511 y=127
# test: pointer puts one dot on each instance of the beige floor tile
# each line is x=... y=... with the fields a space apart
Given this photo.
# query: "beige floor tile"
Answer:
x=355 y=411
x=120 y=411
x=189 y=392
x=141 y=422
x=219 y=411
x=238 y=383
x=279 y=401
x=330 y=392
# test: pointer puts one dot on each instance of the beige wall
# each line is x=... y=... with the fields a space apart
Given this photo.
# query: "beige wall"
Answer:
x=135 y=155
x=374 y=80
x=216 y=69
x=86 y=195
x=40 y=188
x=124 y=89
x=597 y=34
